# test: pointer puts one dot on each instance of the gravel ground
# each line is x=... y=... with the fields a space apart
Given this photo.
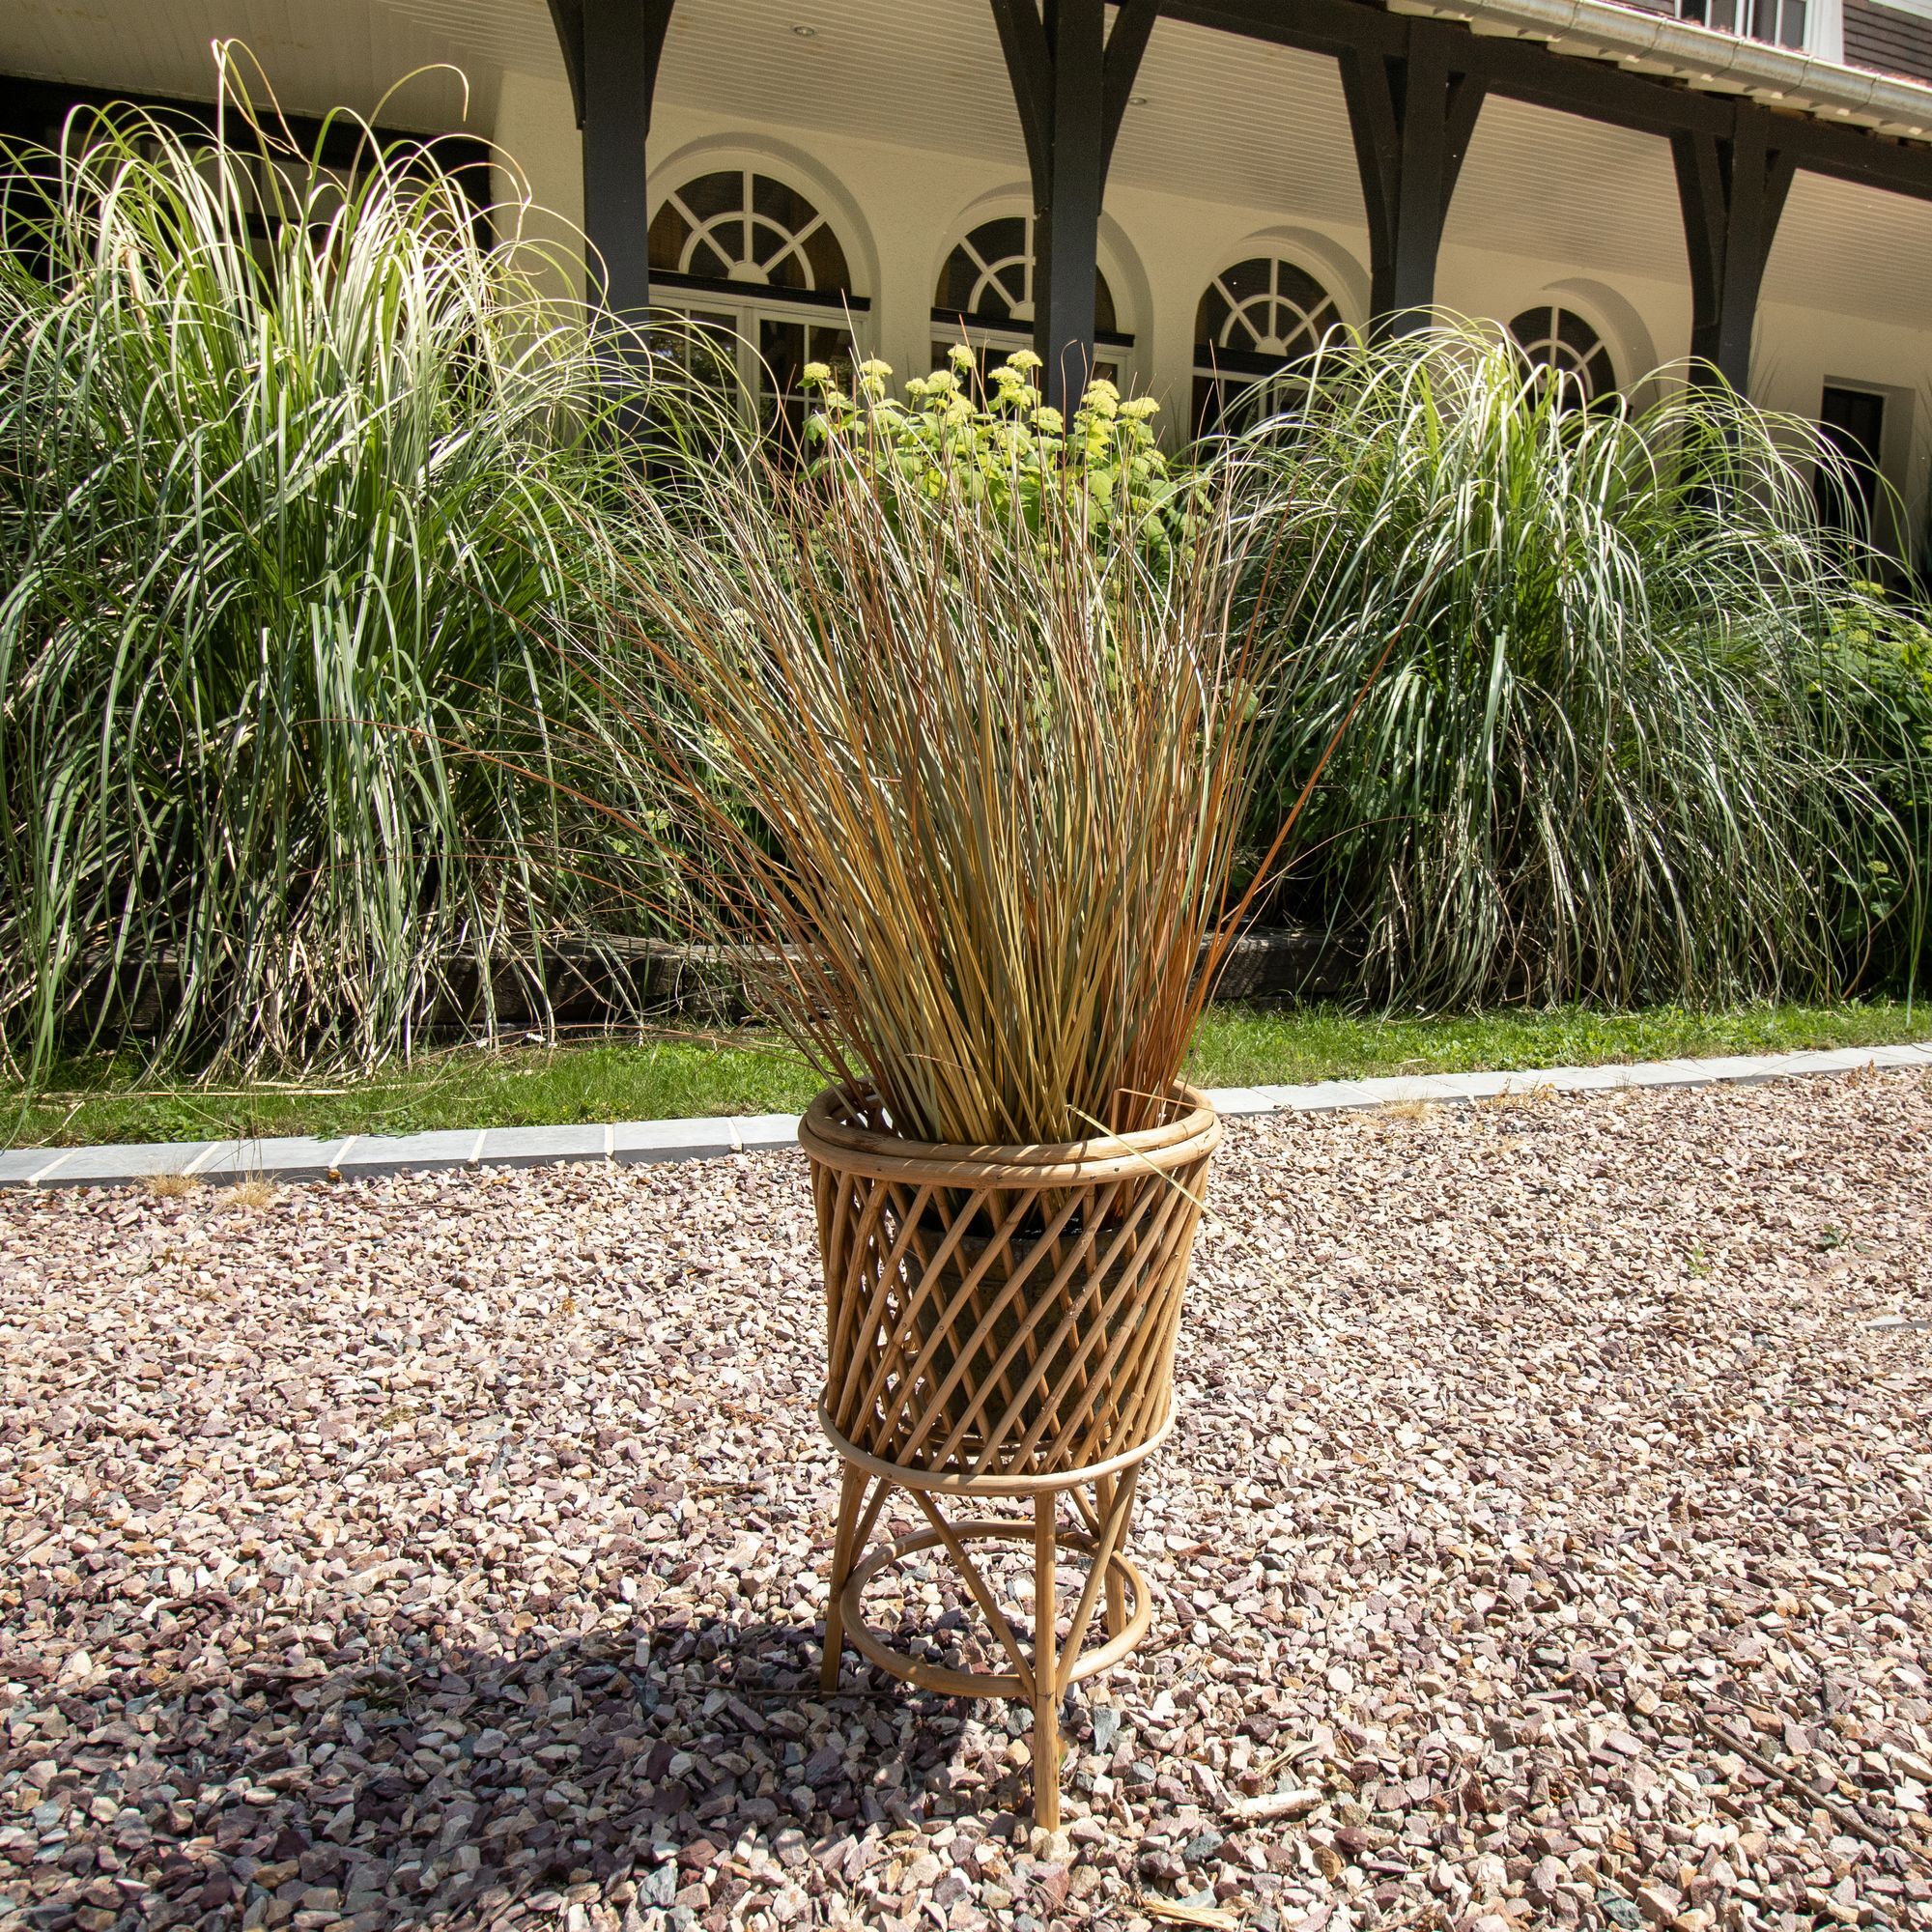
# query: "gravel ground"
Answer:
x=1546 y=1541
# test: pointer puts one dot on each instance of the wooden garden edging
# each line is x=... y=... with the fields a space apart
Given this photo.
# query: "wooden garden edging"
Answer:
x=613 y=980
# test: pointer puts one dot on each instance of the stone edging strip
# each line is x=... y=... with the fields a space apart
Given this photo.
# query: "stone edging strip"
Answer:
x=366 y=1156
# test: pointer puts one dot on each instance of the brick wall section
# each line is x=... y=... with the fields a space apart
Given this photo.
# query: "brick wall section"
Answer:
x=1888 y=40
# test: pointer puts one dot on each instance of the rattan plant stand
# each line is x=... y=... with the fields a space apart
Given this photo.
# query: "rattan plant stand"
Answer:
x=1000 y=1324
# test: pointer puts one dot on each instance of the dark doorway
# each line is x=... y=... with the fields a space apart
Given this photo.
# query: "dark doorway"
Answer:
x=1853 y=422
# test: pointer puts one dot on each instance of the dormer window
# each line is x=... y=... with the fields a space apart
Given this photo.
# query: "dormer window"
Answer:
x=1814 y=27
x=1780 y=24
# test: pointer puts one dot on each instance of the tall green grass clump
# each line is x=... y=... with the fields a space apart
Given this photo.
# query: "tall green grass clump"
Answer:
x=299 y=479
x=1885 y=648
x=1613 y=756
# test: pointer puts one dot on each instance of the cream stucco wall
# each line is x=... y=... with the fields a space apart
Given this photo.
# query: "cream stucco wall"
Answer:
x=535 y=133
x=1797 y=351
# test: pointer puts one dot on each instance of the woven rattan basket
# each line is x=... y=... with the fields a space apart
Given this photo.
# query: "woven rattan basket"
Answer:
x=1002 y=1311
x=1001 y=1323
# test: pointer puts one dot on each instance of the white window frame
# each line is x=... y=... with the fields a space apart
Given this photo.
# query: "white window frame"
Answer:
x=1551 y=306
x=1235 y=383
x=1823 y=27
x=743 y=300
x=699 y=305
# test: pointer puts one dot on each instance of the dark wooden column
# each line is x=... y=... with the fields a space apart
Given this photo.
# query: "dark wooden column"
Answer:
x=1066 y=216
x=611 y=48
x=1413 y=115
x=1732 y=191
x=1070 y=78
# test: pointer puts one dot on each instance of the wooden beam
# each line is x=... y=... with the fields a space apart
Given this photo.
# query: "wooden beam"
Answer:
x=567 y=17
x=1317 y=26
x=623 y=41
x=1423 y=187
x=1853 y=155
x=1030 y=72
x=1066 y=220
x=1072 y=79
x=1731 y=193
x=1413 y=116
x=1466 y=93
x=1701 y=196
x=1594 y=90
x=1133 y=25
x=1519 y=70
x=1368 y=85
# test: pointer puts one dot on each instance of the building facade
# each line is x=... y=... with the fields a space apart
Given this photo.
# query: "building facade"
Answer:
x=1182 y=193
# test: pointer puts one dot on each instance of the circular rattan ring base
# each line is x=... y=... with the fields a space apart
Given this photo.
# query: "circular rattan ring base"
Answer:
x=1113 y=1596
x=1122 y=1573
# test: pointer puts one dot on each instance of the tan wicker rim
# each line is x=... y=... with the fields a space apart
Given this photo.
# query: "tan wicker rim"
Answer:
x=828 y=1137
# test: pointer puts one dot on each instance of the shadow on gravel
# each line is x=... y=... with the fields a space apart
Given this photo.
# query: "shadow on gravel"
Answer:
x=393 y=1779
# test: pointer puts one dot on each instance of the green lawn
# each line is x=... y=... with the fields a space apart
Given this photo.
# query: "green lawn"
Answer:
x=1239 y=1046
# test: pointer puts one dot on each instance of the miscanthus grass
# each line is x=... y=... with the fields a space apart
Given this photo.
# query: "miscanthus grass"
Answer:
x=300 y=479
x=1613 y=756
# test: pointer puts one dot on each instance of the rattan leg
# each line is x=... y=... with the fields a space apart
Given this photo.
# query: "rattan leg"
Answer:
x=851 y=1497
x=1045 y=1669
x=1106 y=1501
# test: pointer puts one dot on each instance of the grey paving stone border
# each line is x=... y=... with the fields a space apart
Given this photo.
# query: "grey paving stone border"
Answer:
x=366 y=1157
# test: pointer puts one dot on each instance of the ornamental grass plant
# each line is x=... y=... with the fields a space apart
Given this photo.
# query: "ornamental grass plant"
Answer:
x=1883 y=657
x=299 y=475
x=1616 y=757
x=962 y=754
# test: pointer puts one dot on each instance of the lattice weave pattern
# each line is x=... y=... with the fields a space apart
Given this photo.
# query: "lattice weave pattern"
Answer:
x=1004 y=1311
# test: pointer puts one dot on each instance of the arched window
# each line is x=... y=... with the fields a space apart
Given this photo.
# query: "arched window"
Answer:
x=985 y=297
x=752 y=261
x=1559 y=340
x=1255 y=320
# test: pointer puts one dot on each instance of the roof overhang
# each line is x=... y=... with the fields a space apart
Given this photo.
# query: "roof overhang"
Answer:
x=1711 y=63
